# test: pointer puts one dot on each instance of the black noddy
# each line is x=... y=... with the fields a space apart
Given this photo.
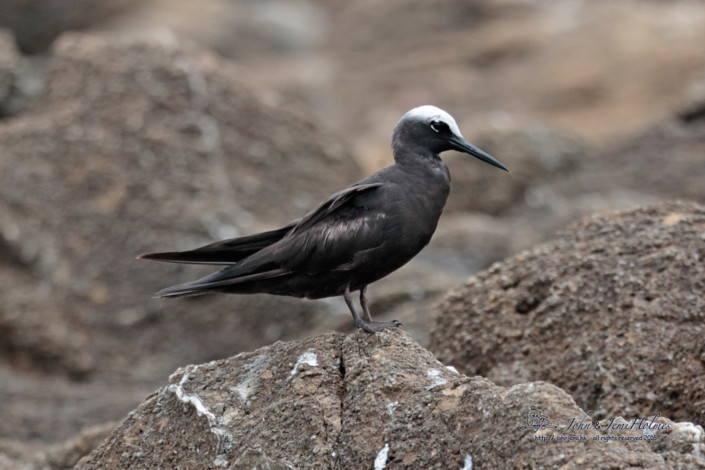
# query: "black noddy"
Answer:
x=354 y=238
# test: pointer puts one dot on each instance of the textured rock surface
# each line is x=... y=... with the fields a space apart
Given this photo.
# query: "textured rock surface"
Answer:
x=367 y=400
x=612 y=311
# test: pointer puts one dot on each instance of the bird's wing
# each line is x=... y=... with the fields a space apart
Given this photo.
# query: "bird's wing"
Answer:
x=223 y=252
x=334 y=202
x=338 y=235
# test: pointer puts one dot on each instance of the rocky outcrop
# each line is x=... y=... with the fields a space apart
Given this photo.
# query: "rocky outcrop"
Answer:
x=612 y=311
x=373 y=401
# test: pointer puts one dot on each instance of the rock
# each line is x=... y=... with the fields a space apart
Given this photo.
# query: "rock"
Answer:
x=363 y=400
x=612 y=311
x=665 y=160
x=36 y=23
x=136 y=146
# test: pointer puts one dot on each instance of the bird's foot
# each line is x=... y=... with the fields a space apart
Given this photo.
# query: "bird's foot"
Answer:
x=377 y=326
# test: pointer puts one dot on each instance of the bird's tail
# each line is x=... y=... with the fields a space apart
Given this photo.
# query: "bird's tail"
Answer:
x=246 y=262
x=181 y=290
x=226 y=280
x=223 y=252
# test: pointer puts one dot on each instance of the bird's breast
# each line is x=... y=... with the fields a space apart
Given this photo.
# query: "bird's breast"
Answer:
x=422 y=209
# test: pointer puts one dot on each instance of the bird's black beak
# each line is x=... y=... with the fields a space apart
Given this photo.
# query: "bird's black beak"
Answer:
x=462 y=145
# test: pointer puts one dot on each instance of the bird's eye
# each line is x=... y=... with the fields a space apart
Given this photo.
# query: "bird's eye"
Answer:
x=439 y=126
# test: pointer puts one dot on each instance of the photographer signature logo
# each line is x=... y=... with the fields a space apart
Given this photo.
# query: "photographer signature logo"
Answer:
x=645 y=428
x=536 y=420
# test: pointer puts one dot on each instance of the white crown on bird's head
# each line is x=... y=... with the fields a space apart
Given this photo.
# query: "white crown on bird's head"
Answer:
x=428 y=113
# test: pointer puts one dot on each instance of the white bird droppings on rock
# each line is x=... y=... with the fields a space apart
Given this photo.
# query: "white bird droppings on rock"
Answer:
x=194 y=399
x=224 y=437
x=467 y=464
x=693 y=433
x=251 y=372
x=381 y=459
x=309 y=358
x=391 y=406
x=436 y=380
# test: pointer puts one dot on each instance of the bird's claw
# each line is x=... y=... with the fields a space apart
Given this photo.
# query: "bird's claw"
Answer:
x=377 y=326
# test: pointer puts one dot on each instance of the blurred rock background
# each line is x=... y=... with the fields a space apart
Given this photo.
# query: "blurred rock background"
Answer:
x=138 y=126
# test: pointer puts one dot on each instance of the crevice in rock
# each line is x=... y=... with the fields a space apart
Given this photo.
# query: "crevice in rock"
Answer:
x=341 y=368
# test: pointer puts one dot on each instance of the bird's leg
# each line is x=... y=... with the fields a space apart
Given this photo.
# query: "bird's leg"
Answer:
x=363 y=303
x=368 y=317
x=367 y=325
x=359 y=322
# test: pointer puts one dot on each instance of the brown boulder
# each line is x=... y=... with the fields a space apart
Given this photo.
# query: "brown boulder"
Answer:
x=370 y=401
x=612 y=311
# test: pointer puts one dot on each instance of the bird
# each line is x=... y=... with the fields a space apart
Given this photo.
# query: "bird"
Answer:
x=355 y=237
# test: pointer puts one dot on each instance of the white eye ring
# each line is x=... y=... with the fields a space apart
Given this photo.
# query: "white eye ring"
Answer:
x=433 y=126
